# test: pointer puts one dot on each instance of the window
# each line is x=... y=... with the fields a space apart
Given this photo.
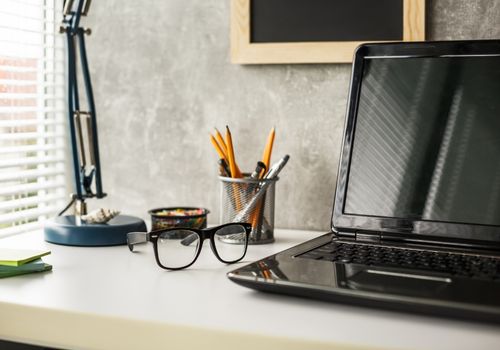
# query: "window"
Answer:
x=32 y=114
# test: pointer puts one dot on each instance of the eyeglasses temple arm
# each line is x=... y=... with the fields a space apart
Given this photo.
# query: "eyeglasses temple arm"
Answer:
x=134 y=238
x=189 y=239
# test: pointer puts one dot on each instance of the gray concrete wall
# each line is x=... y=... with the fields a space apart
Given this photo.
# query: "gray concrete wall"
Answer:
x=163 y=80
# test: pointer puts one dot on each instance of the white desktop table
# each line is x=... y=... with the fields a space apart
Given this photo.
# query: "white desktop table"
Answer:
x=110 y=298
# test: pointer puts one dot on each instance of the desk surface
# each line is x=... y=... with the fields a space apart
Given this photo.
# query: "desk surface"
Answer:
x=109 y=298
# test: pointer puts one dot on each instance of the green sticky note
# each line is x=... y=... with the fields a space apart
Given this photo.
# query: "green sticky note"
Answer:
x=17 y=257
x=35 y=266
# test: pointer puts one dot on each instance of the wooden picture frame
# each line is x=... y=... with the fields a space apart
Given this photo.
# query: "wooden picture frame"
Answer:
x=243 y=51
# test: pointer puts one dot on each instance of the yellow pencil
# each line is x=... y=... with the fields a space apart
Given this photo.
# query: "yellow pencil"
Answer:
x=268 y=150
x=218 y=148
x=235 y=172
x=220 y=140
x=233 y=168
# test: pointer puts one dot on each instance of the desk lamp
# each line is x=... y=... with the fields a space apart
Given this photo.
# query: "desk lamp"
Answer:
x=73 y=229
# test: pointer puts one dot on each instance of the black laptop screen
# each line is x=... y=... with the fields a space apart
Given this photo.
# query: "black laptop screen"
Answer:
x=427 y=140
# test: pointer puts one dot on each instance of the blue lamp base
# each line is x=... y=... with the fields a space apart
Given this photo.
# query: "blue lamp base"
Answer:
x=66 y=231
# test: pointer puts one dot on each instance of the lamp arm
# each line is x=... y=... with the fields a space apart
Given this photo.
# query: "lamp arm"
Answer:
x=86 y=170
x=92 y=130
x=72 y=106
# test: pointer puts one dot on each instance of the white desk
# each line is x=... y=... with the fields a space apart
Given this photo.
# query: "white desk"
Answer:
x=109 y=298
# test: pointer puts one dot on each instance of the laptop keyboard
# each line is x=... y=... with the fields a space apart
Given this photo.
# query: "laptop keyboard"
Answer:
x=382 y=256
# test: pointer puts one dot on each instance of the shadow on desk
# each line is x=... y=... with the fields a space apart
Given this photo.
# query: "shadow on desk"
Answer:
x=7 y=345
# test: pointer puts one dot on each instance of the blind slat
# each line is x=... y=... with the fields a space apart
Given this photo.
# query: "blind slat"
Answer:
x=22 y=16
x=10 y=28
x=31 y=148
x=20 y=69
x=21 y=109
x=16 y=162
x=23 y=96
x=15 y=43
x=16 y=229
x=26 y=214
x=37 y=4
x=31 y=187
x=30 y=201
x=30 y=136
x=35 y=83
x=30 y=174
x=27 y=122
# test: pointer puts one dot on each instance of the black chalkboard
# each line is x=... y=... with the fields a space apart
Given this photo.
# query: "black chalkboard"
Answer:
x=281 y=21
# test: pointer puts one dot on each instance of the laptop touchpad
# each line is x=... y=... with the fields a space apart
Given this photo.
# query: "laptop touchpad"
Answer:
x=393 y=282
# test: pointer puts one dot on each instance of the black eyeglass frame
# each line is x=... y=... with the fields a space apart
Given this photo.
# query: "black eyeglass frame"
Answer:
x=134 y=238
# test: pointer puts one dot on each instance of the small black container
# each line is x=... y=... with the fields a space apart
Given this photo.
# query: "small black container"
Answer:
x=191 y=217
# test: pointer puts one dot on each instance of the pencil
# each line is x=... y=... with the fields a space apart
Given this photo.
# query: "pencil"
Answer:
x=233 y=168
x=256 y=218
x=220 y=140
x=235 y=172
x=266 y=157
x=218 y=149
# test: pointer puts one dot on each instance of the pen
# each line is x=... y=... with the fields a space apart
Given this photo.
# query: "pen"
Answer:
x=271 y=174
x=257 y=214
x=261 y=167
x=276 y=168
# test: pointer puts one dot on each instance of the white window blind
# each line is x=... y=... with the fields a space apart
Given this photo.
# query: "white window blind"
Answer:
x=32 y=114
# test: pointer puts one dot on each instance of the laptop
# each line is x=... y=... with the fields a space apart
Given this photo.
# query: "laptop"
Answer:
x=416 y=215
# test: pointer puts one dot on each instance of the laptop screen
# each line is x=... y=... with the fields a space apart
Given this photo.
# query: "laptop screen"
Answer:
x=426 y=143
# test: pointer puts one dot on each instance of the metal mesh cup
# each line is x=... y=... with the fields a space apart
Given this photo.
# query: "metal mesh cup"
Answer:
x=247 y=200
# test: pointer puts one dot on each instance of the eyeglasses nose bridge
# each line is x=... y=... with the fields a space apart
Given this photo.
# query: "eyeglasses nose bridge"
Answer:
x=205 y=235
x=208 y=235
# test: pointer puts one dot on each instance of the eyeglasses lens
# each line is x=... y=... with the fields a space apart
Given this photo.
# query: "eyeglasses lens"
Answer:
x=177 y=248
x=231 y=252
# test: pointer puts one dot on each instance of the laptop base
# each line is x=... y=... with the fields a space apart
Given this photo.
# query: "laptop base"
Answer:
x=393 y=289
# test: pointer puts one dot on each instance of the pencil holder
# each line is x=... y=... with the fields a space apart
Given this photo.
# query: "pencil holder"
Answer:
x=249 y=200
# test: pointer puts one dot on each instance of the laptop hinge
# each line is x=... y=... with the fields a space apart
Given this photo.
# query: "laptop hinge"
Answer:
x=368 y=236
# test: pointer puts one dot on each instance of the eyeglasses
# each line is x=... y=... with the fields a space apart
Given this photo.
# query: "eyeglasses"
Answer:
x=178 y=248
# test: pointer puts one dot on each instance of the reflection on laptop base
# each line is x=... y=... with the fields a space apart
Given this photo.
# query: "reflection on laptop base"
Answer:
x=416 y=217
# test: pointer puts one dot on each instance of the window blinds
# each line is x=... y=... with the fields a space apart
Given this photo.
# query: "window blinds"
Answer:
x=32 y=114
